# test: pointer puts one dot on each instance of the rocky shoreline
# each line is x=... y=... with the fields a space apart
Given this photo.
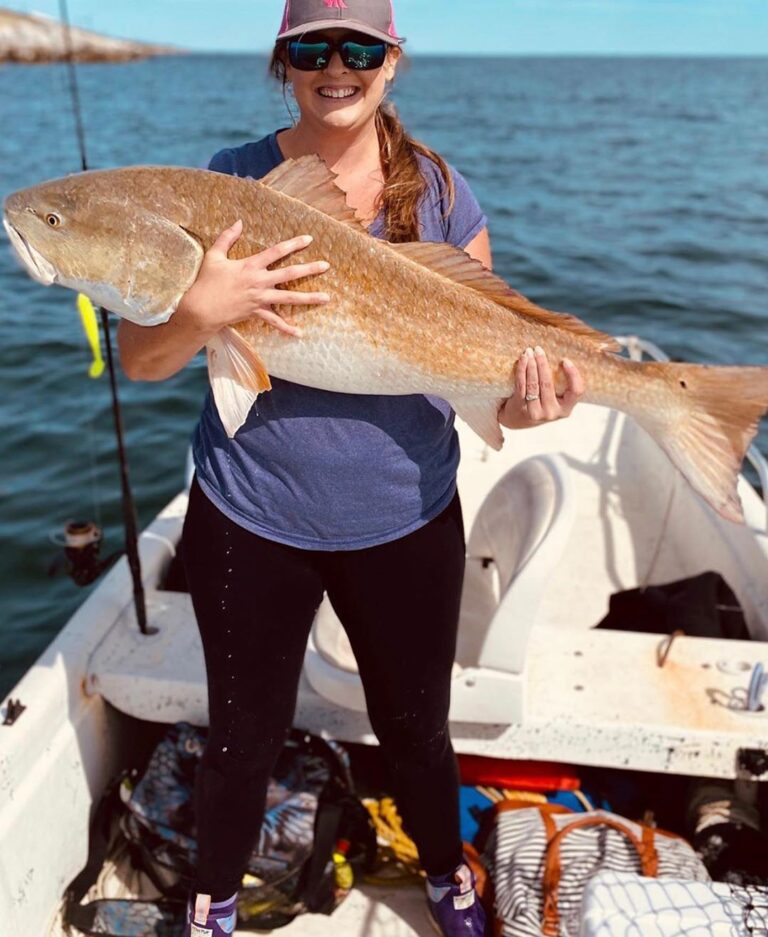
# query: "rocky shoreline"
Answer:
x=32 y=38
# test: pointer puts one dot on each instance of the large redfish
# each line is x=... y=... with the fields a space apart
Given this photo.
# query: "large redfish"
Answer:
x=403 y=318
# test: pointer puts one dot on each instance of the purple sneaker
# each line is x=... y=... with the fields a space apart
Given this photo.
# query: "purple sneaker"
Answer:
x=453 y=905
x=210 y=919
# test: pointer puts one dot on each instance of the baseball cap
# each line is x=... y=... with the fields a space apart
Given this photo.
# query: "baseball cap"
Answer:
x=372 y=17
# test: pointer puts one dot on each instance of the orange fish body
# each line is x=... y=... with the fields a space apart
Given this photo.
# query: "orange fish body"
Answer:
x=403 y=318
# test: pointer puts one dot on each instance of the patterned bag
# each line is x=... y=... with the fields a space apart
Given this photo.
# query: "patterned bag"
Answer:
x=310 y=805
x=541 y=858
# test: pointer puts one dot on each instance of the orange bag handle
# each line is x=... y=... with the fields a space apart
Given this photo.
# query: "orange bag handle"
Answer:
x=486 y=827
x=646 y=850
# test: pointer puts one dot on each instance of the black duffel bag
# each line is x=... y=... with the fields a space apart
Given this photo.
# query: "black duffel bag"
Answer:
x=702 y=606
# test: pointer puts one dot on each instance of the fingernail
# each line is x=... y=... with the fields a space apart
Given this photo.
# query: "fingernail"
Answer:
x=529 y=352
x=325 y=297
x=567 y=362
x=307 y=238
x=324 y=265
x=539 y=350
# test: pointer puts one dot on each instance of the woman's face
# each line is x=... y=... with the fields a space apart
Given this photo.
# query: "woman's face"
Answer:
x=338 y=97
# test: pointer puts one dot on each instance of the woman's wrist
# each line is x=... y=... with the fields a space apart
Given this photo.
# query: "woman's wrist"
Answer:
x=158 y=352
x=188 y=318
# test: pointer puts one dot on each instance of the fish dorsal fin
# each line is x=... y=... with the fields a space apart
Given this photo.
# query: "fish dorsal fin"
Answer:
x=455 y=264
x=308 y=179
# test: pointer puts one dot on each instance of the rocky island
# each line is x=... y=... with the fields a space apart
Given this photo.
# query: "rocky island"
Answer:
x=33 y=38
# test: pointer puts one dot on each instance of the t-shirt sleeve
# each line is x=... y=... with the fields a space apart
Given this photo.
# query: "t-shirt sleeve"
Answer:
x=467 y=218
x=223 y=161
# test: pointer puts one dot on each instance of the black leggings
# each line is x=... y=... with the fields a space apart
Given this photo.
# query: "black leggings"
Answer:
x=255 y=602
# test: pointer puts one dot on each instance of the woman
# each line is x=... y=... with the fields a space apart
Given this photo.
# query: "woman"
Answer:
x=321 y=492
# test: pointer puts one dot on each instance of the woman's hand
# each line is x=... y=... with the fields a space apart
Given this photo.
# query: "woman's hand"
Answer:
x=225 y=291
x=228 y=291
x=533 y=379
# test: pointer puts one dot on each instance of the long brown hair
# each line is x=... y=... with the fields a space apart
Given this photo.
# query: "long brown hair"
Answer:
x=404 y=184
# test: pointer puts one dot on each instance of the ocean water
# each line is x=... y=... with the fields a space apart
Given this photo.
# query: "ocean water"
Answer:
x=632 y=192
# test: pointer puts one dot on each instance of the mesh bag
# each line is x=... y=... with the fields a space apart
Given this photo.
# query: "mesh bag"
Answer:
x=621 y=905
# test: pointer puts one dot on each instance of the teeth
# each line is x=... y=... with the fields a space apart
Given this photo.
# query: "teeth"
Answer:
x=338 y=92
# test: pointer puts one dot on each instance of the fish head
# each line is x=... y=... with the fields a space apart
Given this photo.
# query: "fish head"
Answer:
x=30 y=225
x=103 y=234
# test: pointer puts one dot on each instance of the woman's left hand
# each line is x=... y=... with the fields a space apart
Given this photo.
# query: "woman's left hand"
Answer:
x=533 y=379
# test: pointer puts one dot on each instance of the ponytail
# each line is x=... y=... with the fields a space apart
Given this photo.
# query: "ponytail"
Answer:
x=404 y=183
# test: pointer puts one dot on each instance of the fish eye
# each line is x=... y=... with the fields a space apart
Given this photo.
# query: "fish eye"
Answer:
x=52 y=220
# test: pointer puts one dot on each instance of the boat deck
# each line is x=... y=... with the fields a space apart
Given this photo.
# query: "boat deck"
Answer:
x=688 y=718
x=368 y=911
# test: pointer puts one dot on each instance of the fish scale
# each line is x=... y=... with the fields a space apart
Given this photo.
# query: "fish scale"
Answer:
x=403 y=318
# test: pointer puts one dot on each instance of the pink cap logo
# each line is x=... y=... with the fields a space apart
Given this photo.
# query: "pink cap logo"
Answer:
x=286 y=16
x=336 y=4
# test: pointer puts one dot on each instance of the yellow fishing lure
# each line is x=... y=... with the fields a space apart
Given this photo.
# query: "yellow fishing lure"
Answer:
x=91 y=329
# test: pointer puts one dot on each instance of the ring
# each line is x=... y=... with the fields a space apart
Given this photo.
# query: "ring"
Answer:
x=529 y=397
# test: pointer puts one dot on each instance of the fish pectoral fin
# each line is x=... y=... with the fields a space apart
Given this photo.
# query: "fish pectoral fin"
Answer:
x=153 y=290
x=237 y=377
x=482 y=415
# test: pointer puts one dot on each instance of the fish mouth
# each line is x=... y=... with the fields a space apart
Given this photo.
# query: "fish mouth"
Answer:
x=37 y=266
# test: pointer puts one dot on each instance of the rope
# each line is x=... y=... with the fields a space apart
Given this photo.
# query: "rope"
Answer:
x=496 y=795
x=398 y=856
x=662 y=534
x=757 y=686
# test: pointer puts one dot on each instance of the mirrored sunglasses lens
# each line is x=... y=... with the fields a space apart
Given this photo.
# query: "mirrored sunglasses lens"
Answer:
x=309 y=56
x=363 y=57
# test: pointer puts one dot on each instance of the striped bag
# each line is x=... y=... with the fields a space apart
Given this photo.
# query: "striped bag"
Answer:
x=540 y=859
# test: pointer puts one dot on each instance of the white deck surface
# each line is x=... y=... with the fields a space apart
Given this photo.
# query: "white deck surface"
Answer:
x=582 y=695
x=369 y=911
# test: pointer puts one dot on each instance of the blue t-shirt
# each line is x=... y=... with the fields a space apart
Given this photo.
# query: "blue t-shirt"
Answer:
x=331 y=471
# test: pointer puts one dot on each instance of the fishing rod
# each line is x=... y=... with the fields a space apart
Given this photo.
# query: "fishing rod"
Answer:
x=130 y=525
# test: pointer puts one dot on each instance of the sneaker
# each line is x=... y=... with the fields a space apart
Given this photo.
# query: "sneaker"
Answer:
x=453 y=905
x=206 y=919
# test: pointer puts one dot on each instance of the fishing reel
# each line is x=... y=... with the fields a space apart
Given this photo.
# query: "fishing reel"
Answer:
x=82 y=542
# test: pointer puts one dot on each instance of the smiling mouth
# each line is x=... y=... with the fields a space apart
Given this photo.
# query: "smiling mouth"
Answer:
x=337 y=94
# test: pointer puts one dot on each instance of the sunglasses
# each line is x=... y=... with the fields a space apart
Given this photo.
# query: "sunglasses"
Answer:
x=361 y=53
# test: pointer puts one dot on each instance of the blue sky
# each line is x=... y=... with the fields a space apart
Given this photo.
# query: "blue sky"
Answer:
x=730 y=27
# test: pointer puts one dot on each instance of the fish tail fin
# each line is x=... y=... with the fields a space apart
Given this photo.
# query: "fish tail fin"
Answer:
x=707 y=430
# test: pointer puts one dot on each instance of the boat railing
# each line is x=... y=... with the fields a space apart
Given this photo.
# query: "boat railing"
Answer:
x=637 y=347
